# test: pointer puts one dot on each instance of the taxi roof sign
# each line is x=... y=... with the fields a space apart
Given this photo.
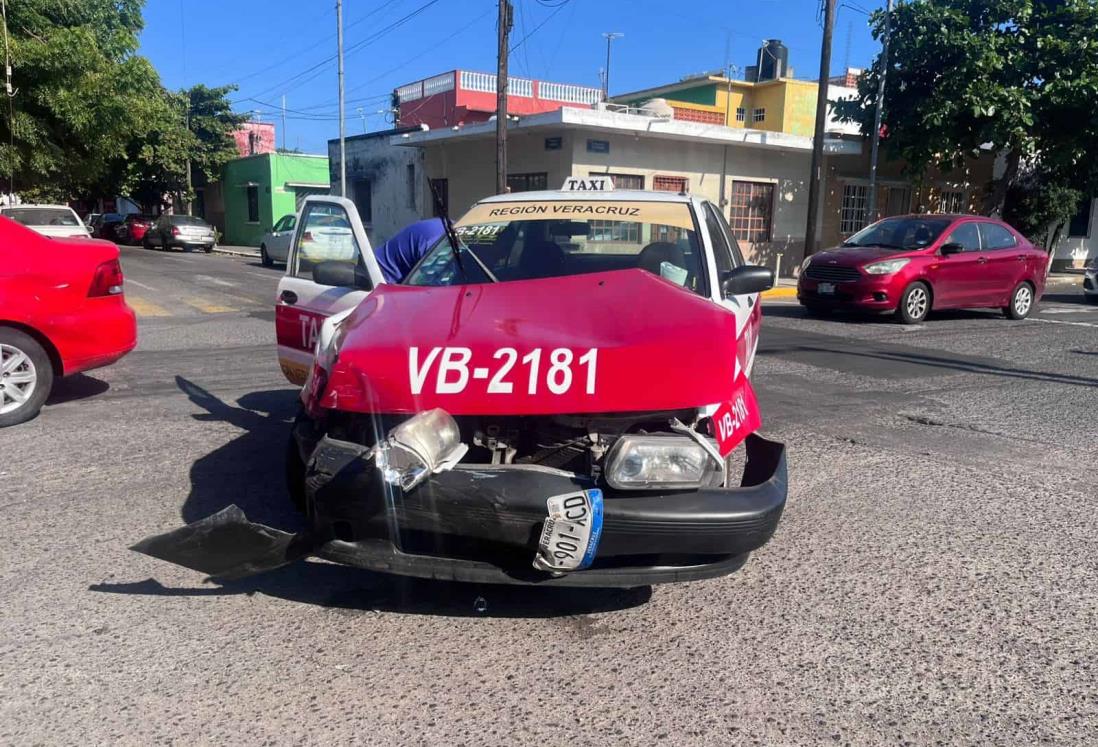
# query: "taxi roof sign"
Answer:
x=588 y=184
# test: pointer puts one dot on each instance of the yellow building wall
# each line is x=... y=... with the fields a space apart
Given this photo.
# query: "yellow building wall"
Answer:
x=799 y=111
x=771 y=97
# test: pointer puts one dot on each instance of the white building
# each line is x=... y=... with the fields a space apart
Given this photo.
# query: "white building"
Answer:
x=765 y=186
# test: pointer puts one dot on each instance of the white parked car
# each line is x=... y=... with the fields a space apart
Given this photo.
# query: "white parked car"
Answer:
x=276 y=242
x=56 y=221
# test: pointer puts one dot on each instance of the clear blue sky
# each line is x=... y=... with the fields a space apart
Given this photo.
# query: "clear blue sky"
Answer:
x=275 y=47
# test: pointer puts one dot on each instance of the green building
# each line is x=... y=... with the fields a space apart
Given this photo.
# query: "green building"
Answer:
x=255 y=191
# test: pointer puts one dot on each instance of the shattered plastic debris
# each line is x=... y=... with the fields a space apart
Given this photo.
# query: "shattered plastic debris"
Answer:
x=227 y=546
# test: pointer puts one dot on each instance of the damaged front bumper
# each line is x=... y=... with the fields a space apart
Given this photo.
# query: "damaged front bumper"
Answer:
x=482 y=523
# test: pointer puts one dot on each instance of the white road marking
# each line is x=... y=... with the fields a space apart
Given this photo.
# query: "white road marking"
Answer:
x=1067 y=310
x=131 y=281
x=215 y=281
x=912 y=328
x=1061 y=321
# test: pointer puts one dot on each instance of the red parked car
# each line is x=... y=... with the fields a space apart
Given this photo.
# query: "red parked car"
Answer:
x=62 y=311
x=912 y=264
x=132 y=229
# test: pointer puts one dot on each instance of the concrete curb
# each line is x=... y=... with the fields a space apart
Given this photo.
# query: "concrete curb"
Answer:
x=234 y=252
x=780 y=292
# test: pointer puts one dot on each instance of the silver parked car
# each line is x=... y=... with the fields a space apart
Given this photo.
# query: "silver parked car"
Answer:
x=183 y=231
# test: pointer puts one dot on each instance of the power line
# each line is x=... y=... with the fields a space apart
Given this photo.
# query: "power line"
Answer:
x=557 y=9
x=314 y=70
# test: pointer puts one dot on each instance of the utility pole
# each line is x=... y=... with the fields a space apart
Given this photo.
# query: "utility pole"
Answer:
x=875 y=136
x=821 y=123
x=342 y=113
x=362 y=113
x=722 y=202
x=504 y=23
x=610 y=37
x=189 y=206
x=11 y=105
x=283 y=122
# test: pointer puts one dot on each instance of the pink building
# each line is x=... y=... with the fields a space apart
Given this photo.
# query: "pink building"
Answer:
x=253 y=138
x=462 y=97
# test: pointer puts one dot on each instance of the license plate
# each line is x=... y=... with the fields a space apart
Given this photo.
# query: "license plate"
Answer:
x=827 y=288
x=570 y=536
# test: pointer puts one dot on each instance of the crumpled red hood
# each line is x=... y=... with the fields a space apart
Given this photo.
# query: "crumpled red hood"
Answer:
x=525 y=348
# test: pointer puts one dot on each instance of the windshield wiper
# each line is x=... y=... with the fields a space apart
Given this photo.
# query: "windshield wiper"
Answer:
x=451 y=236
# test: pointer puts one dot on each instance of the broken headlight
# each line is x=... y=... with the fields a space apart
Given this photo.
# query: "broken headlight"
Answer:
x=651 y=462
x=420 y=446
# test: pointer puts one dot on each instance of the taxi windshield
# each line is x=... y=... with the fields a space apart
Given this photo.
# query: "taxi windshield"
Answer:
x=527 y=240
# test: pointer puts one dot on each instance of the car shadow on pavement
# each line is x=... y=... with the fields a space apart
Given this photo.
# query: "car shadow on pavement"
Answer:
x=342 y=587
x=72 y=388
x=249 y=471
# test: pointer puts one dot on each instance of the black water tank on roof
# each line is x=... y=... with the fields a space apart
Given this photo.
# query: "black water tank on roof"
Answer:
x=773 y=61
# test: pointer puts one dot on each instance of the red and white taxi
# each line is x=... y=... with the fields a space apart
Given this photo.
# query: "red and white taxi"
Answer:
x=551 y=396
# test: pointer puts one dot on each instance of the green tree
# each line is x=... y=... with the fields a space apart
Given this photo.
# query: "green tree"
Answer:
x=90 y=117
x=1018 y=77
x=76 y=79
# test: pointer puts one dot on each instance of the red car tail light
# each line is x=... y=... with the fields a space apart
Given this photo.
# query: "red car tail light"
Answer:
x=175 y=231
x=107 y=280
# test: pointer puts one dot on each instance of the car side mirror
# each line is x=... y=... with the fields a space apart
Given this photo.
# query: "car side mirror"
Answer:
x=951 y=248
x=341 y=275
x=747 y=279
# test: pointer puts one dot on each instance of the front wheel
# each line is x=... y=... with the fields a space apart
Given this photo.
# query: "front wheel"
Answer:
x=914 y=303
x=26 y=377
x=1021 y=302
x=264 y=258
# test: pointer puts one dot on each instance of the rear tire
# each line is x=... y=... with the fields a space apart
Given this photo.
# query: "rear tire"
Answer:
x=26 y=377
x=264 y=258
x=914 y=303
x=1021 y=302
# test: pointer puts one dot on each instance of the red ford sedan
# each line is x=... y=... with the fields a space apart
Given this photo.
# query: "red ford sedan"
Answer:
x=62 y=311
x=911 y=264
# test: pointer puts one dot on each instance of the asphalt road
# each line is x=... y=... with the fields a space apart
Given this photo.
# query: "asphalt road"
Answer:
x=933 y=579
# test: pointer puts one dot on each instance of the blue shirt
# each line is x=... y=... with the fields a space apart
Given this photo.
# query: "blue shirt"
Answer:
x=399 y=255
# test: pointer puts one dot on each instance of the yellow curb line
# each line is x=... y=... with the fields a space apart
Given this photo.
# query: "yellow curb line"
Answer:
x=782 y=292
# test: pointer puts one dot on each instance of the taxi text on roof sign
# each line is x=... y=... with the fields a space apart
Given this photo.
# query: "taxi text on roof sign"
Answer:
x=588 y=184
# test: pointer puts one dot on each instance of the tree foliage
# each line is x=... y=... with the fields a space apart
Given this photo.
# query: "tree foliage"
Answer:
x=1015 y=77
x=90 y=117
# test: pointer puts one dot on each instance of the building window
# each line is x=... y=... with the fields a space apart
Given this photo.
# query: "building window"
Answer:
x=752 y=209
x=528 y=182
x=440 y=196
x=852 y=213
x=741 y=114
x=758 y=115
x=363 y=199
x=622 y=181
x=612 y=230
x=951 y=201
x=412 y=186
x=669 y=183
x=253 y=203
x=1080 y=222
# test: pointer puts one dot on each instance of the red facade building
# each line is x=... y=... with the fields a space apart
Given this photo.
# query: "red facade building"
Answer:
x=253 y=138
x=463 y=97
